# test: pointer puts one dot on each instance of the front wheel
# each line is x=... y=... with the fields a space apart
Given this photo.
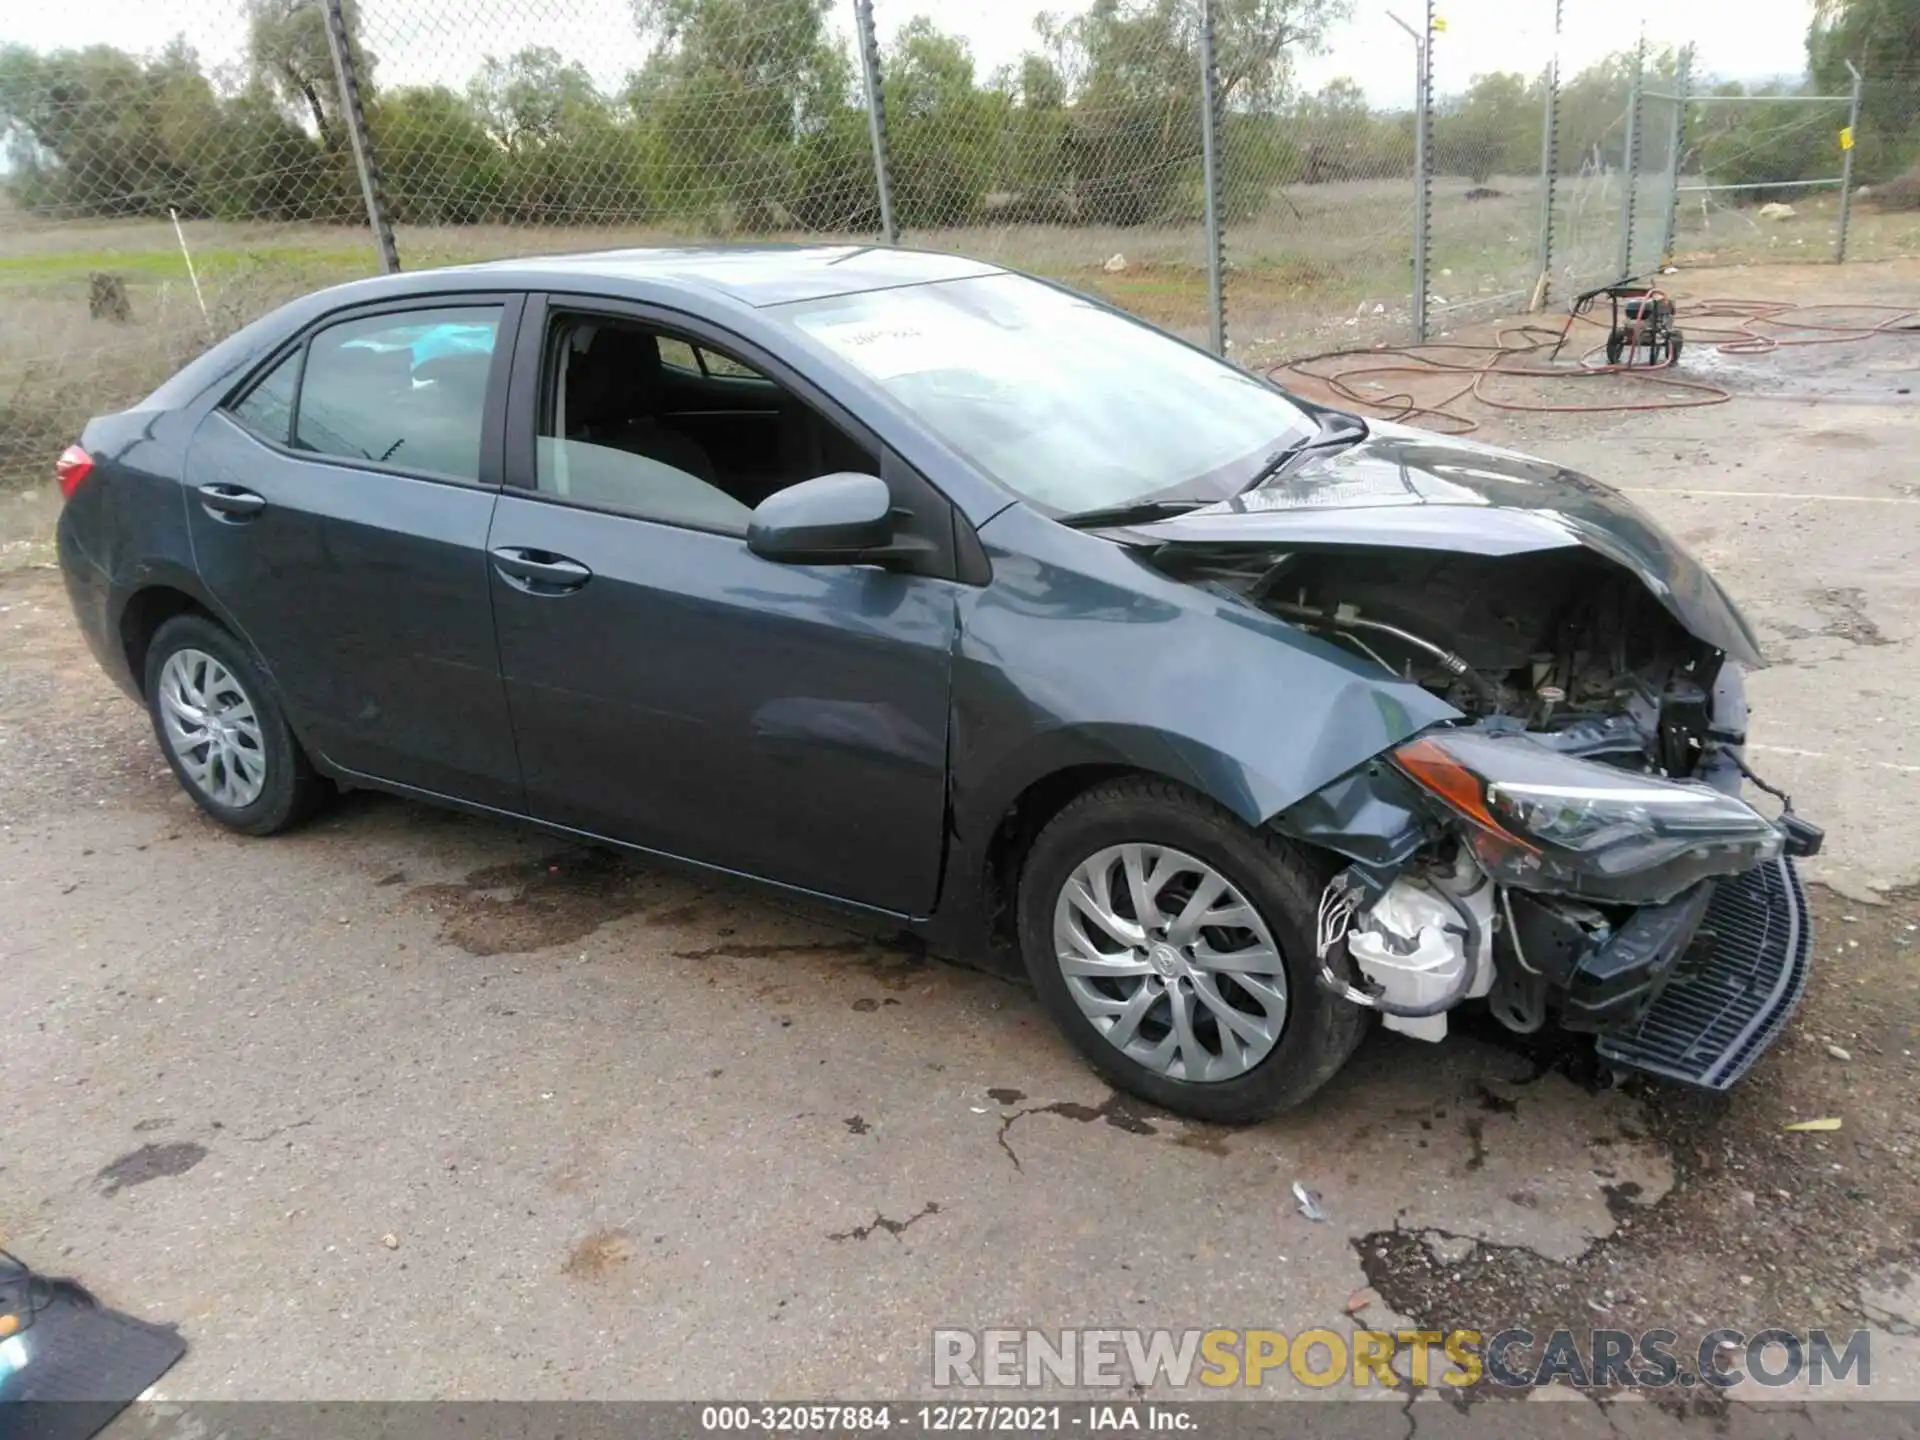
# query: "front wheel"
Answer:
x=1174 y=946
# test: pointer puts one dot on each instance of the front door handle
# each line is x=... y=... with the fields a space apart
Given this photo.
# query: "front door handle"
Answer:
x=230 y=502
x=539 y=572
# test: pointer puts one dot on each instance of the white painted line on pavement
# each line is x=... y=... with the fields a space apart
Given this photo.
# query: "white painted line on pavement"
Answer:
x=1822 y=755
x=1772 y=495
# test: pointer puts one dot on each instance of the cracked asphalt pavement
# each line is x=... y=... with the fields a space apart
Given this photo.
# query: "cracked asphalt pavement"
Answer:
x=411 y=1105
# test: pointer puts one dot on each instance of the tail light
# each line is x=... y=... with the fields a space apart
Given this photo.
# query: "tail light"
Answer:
x=73 y=466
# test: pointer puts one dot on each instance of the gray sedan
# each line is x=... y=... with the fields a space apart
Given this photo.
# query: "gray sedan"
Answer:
x=954 y=596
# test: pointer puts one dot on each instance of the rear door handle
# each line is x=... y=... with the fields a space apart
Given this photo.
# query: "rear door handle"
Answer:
x=230 y=502
x=539 y=572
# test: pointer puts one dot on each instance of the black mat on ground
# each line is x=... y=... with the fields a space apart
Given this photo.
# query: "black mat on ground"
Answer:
x=76 y=1365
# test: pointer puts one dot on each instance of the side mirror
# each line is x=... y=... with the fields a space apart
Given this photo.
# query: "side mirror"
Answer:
x=842 y=519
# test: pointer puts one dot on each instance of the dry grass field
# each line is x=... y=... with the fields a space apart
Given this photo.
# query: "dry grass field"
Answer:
x=1323 y=266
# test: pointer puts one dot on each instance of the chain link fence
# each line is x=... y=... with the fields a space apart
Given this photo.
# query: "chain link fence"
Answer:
x=1277 y=177
x=1488 y=182
x=1082 y=158
x=117 y=167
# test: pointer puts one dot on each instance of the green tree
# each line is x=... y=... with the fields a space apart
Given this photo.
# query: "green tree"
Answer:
x=1133 y=67
x=101 y=132
x=1593 y=107
x=741 y=102
x=264 y=167
x=1042 y=88
x=84 y=125
x=441 y=165
x=532 y=98
x=1882 y=39
x=1255 y=42
x=564 y=155
x=1334 y=134
x=940 y=126
x=830 y=185
x=1492 y=129
x=1752 y=145
x=1136 y=119
x=288 y=50
x=1032 y=179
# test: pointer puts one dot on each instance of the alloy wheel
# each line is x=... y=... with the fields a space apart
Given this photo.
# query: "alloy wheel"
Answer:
x=1170 y=962
x=212 y=728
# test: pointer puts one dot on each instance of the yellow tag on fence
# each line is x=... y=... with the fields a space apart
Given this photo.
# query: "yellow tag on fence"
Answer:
x=1439 y=24
x=1846 y=137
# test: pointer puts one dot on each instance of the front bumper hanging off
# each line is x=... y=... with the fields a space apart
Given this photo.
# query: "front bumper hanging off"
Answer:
x=1692 y=988
x=1729 y=994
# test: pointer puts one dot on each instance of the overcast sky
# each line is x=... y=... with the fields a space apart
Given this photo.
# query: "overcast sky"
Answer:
x=444 y=40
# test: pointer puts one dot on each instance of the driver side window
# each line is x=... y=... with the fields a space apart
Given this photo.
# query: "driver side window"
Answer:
x=628 y=425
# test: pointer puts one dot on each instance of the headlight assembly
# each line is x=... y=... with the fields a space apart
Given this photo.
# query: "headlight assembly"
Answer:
x=1545 y=821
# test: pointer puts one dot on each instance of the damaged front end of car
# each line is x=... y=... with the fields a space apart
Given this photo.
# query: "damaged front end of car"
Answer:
x=1574 y=847
x=1664 y=917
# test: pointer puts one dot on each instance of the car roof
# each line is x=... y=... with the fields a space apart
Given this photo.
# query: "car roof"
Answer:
x=756 y=275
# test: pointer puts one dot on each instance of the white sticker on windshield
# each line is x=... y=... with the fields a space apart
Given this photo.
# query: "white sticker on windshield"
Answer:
x=937 y=339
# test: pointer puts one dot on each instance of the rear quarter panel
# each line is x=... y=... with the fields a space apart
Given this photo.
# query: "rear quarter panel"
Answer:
x=125 y=529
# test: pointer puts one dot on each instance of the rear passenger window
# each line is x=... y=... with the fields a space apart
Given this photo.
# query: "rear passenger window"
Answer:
x=406 y=389
x=267 y=409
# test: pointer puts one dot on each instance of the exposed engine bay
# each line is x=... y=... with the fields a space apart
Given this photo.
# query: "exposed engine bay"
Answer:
x=1564 y=644
x=1557 y=852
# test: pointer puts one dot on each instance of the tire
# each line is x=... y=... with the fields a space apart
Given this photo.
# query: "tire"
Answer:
x=1616 y=346
x=246 y=770
x=1174 y=828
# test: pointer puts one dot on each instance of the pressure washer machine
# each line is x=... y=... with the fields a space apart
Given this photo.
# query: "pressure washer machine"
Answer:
x=1642 y=333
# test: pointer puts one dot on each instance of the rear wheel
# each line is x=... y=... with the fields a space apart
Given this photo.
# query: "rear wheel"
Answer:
x=222 y=732
x=1174 y=946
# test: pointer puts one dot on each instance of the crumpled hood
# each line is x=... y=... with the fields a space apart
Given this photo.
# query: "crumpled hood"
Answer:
x=1409 y=489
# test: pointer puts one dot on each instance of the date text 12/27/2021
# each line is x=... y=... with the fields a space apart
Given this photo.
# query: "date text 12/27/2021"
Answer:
x=946 y=1419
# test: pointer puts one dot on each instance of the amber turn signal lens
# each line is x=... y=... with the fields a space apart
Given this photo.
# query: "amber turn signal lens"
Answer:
x=1431 y=765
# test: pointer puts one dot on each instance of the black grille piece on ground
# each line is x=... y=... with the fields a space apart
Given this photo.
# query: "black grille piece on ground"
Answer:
x=1711 y=1022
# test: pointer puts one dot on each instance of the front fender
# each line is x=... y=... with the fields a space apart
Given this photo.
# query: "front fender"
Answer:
x=1080 y=653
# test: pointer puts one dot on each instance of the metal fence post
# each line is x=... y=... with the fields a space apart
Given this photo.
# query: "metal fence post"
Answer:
x=1676 y=132
x=1846 y=165
x=1630 y=162
x=1422 y=173
x=1549 y=166
x=355 y=117
x=869 y=48
x=1210 y=158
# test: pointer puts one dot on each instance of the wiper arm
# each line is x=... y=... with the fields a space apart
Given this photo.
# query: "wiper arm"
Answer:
x=1337 y=427
x=1139 y=512
x=1278 y=461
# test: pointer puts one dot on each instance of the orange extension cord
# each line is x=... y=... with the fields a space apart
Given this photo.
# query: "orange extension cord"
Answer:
x=1748 y=327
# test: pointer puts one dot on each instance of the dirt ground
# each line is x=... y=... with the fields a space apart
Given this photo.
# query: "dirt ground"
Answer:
x=412 y=1105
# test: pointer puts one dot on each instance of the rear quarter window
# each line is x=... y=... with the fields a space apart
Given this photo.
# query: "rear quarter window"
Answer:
x=267 y=408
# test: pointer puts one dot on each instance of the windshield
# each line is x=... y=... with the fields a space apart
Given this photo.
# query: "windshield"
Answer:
x=1062 y=401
